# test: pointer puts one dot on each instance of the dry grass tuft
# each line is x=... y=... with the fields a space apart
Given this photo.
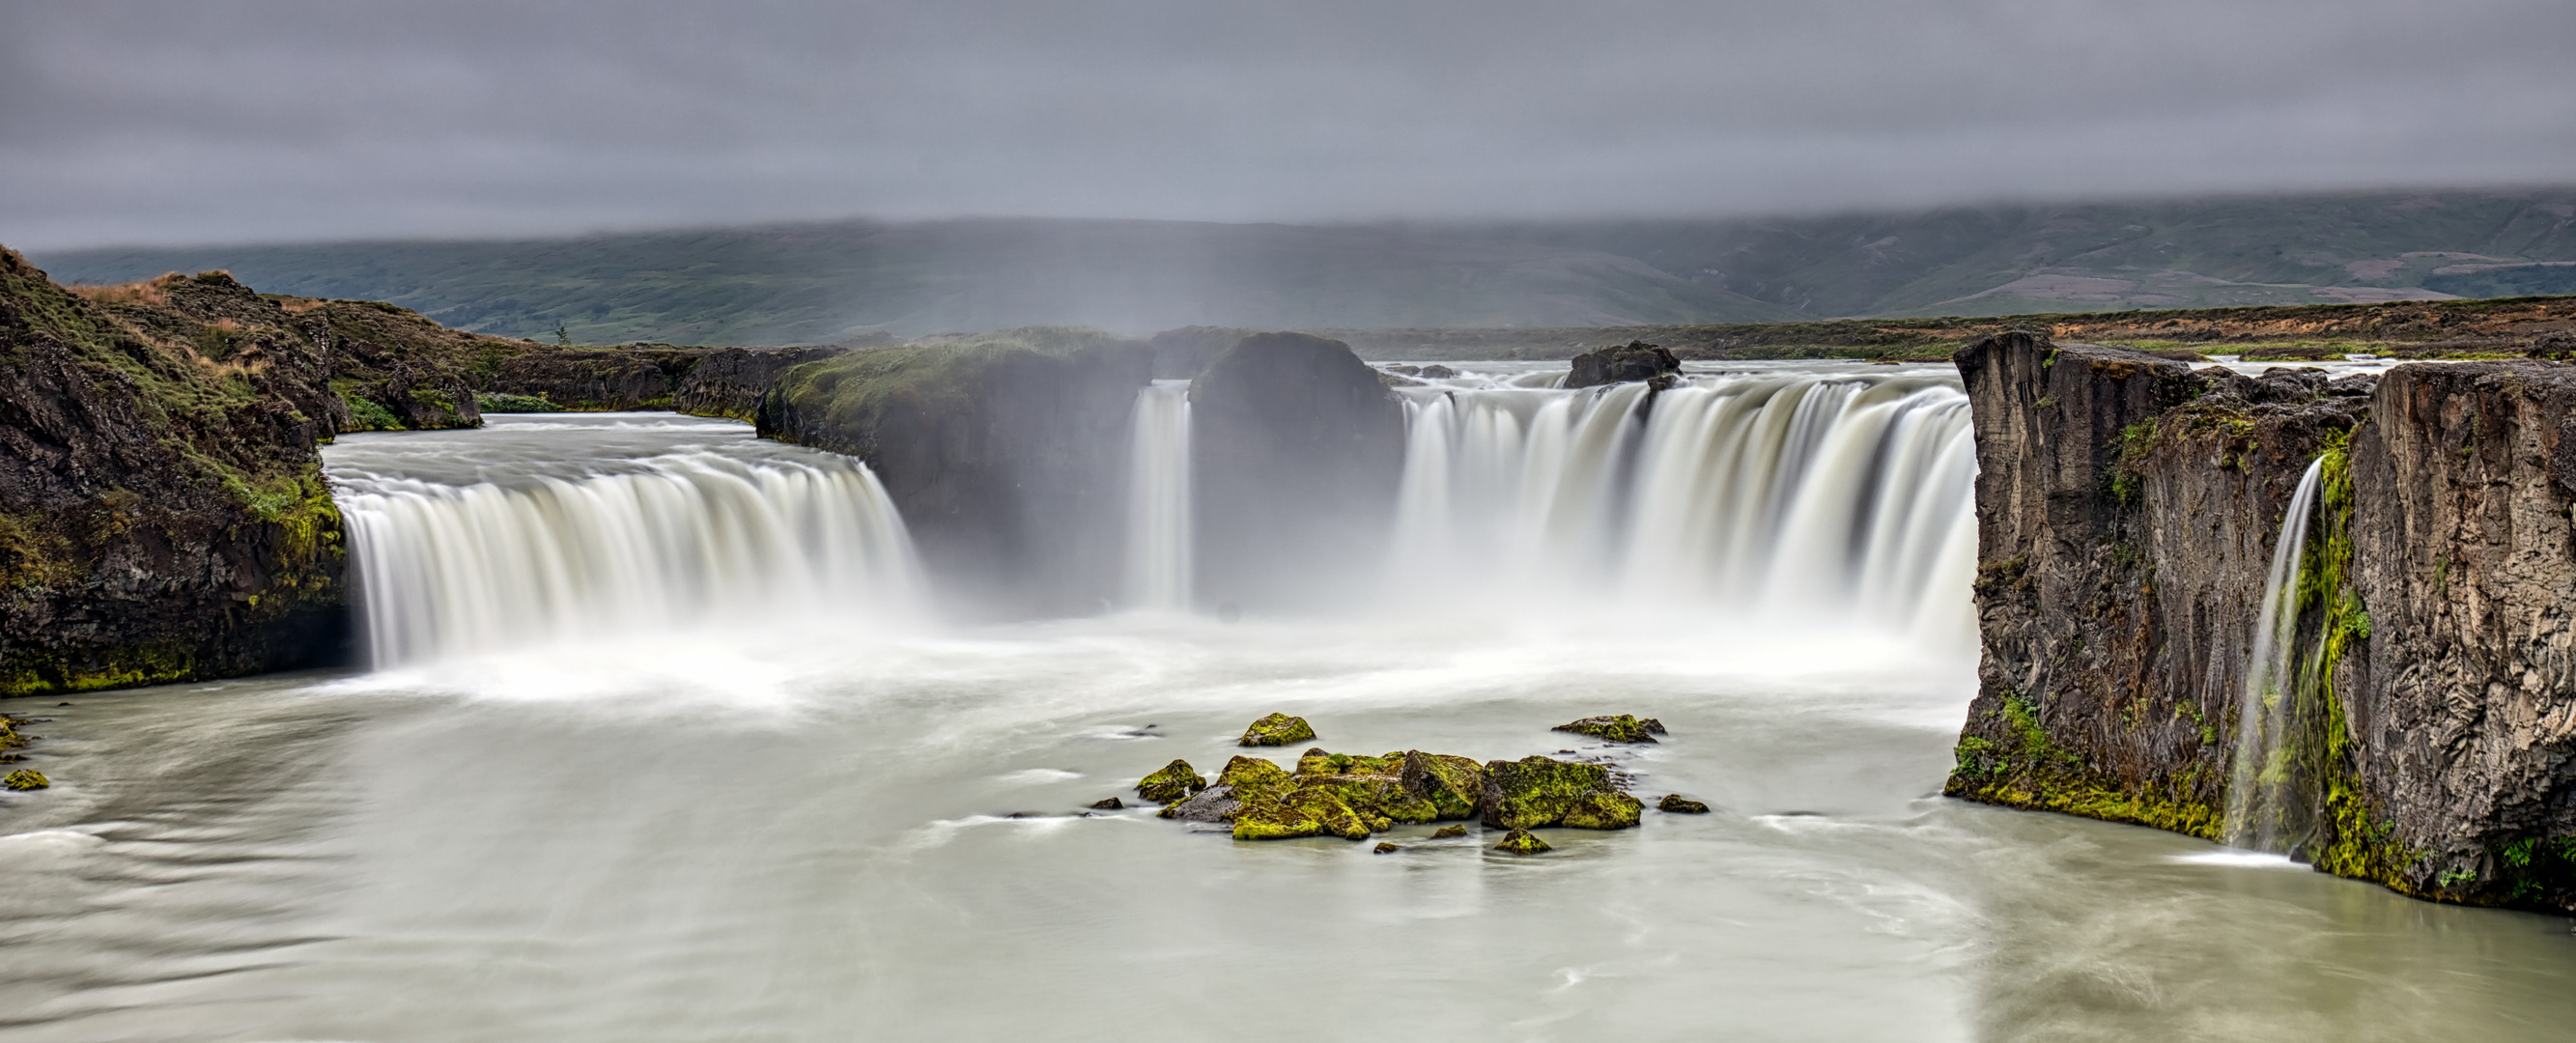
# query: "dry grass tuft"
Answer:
x=154 y=292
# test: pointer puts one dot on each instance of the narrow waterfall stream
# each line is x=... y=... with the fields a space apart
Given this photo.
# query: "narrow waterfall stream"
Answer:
x=1158 y=500
x=2262 y=785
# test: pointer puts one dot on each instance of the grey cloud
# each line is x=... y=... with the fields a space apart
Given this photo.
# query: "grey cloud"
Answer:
x=124 y=122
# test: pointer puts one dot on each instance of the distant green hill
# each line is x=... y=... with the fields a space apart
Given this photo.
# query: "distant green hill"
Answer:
x=816 y=283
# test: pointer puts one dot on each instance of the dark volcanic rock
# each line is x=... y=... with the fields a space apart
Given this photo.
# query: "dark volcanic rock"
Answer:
x=1296 y=453
x=1618 y=364
x=1522 y=842
x=163 y=515
x=1676 y=804
x=2127 y=511
x=730 y=382
x=1006 y=452
x=635 y=376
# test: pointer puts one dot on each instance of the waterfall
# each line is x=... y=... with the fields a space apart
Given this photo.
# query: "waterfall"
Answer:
x=1777 y=498
x=1158 y=499
x=2259 y=782
x=682 y=538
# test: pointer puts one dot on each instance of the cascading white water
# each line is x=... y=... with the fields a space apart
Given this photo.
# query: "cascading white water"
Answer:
x=689 y=535
x=2258 y=782
x=1826 y=498
x=1158 y=499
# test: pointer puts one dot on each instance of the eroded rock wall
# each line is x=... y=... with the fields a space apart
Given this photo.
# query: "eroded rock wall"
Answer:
x=1297 y=449
x=163 y=515
x=1007 y=454
x=2128 y=509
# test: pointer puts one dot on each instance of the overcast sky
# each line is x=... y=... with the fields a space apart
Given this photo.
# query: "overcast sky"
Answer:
x=149 y=123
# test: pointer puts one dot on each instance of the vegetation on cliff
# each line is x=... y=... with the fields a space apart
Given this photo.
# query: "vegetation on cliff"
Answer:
x=163 y=515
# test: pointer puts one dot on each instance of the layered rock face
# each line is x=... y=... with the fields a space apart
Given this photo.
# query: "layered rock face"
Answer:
x=1296 y=452
x=2128 y=509
x=1007 y=454
x=2461 y=701
x=163 y=515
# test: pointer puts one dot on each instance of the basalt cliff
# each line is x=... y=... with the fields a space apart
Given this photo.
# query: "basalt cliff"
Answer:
x=2128 y=509
x=163 y=514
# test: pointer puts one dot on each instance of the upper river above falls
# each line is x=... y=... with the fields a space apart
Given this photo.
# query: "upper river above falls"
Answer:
x=793 y=819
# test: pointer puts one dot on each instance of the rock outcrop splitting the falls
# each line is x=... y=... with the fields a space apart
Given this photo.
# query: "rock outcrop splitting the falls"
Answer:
x=1296 y=452
x=2127 y=511
x=1006 y=452
x=163 y=515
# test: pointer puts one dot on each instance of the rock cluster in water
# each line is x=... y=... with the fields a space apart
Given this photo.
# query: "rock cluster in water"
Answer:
x=1626 y=728
x=1354 y=796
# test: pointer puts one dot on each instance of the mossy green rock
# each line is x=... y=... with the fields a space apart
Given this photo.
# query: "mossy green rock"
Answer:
x=1674 y=803
x=1455 y=786
x=1176 y=782
x=1603 y=809
x=1278 y=729
x=1522 y=842
x=1317 y=762
x=26 y=779
x=1542 y=791
x=1622 y=728
x=1255 y=781
x=1449 y=833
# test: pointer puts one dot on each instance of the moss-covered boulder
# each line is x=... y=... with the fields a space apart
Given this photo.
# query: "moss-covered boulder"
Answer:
x=1278 y=729
x=1317 y=762
x=1255 y=779
x=1449 y=833
x=1174 y=783
x=1675 y=803
x=1455 y=786
x=1542 y=791
x=1626 y=728
x=1522 y=842
x=26 y=779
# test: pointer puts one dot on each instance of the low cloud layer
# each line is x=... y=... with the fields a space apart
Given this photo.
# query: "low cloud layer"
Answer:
x=203 y=122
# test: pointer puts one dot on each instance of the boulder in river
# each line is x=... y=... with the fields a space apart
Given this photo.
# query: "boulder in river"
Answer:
x=1384 y=848
x=26 y=779
x=1453 y=785
x=1522 y=842
x=1278 y=729
x=1108 y=804
x=1617 y=364
x=1449 y=833
x=1175 y=782
x=1626 y=728
x=1675 y=803
x=1541 y=791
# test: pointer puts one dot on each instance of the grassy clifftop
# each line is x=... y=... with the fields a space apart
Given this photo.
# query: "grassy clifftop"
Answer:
x=162 y=510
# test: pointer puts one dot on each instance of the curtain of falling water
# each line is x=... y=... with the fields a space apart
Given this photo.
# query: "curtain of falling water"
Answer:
x=2259 y=780
x=1830 y=499
x=691 y=537
x=1158 y=499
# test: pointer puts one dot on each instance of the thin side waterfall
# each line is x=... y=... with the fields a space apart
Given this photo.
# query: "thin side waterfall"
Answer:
x=1158 y=500
x=1831 y=499
x=2259 y=783
x=687 y=538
